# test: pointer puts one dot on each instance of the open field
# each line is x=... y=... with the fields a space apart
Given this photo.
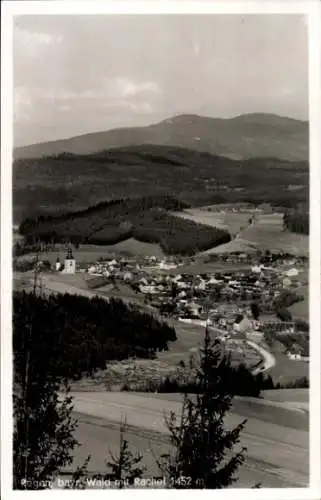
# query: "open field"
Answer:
x=287 y=370
x=277 y=439
x=265 y=234
x=287 y=395
x=301 y=309
x=131 y=246
x=269 y=407
x=201 y=267
x=98 y=436
x=229 y=221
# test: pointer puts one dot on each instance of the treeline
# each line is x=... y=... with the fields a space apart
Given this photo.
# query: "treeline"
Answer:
x=239 y=380
x=73 y=335
x=296 y=222
x=146 y=219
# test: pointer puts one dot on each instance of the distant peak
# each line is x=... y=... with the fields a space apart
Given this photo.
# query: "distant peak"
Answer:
x=267 y=118
x=184 y=118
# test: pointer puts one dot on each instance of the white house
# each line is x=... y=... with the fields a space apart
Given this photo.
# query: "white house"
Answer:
x=286 y=282
x=294 y=355
x=292 y=272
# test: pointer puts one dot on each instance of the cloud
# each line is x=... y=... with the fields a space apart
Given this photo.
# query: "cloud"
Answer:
x=136 y=107
x=124 y=71
x=22 y=104
x=33 y=43
x=114 y=89
x=129 y=88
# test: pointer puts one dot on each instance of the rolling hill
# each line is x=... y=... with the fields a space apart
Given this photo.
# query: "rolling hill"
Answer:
x=145 y=219
x=68 y=181
x=250 y=135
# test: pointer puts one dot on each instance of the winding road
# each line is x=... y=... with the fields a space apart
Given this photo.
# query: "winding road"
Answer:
x=269 y=359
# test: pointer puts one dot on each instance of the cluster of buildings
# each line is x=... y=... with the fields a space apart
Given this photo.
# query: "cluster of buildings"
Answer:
x=128 y=268
x=222 y=298
x=263 y=208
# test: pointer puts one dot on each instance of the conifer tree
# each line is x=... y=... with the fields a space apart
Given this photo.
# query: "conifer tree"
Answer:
x=205 y=452
x=43 y=437
x=126 y=466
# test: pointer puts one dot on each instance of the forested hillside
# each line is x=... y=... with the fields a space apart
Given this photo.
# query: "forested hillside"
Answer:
x=146 y=219
x=76 y=335
x=68 y=182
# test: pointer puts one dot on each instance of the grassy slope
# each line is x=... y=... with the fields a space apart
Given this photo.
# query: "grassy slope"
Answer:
x=229 y=221
x=266 y=233
x=92 y=253
x=301 y=309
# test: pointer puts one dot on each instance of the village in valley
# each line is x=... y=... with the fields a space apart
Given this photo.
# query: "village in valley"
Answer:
x=243 y=298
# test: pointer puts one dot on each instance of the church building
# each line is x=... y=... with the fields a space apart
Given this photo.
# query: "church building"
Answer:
x=70 y=263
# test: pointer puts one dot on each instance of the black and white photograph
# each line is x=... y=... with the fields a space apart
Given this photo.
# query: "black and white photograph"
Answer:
x=161 y=321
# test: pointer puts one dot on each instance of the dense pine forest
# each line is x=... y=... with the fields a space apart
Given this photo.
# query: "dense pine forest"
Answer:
x=146 y=219
x=72 y=335
x=296 y=222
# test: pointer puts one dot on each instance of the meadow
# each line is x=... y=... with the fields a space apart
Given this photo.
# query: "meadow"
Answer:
x=287 y=370
x=232 y=222
x=265 y=234
x=301 y=309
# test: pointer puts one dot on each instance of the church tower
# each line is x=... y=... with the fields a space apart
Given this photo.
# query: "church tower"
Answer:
x=70 y=263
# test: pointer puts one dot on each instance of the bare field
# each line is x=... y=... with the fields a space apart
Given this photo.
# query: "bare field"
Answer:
x=229 y=221
x=277 y=455
x=266 y=234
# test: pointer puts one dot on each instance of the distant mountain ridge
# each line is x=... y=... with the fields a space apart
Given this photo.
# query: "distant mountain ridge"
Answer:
x=241 y=137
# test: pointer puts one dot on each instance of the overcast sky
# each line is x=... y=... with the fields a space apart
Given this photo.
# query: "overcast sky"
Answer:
x=79 y=74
